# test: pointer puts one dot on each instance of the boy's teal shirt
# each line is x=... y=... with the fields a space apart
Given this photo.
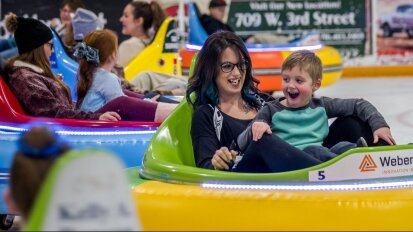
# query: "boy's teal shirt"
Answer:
x=301 y=127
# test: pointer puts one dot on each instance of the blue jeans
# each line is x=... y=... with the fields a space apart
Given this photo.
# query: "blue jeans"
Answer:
x=272 y=154
x=9 y=53
x=8 y=48
x=6 y=44
x=324 y=154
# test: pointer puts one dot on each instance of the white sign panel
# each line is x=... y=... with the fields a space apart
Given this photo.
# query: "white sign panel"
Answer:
x=367 y=165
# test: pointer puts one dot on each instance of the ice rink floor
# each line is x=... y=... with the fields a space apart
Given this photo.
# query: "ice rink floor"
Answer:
x=392 y=96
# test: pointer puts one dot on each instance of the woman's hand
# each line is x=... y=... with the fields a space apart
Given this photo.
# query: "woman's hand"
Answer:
x=54 y=22
x=222 y=157
x=110 y=116
x=385 y=134
x=258 y=129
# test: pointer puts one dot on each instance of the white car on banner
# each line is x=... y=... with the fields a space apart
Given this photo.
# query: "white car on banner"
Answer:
x=398 y=21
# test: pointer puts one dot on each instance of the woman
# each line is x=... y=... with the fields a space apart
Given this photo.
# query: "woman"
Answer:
x=30 y=76
x=224 y=104
x=141 y=20
x=99 y=89
x=137 y=21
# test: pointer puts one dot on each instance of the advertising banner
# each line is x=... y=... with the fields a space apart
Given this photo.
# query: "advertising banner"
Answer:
x=344 y=24
x=395 y=32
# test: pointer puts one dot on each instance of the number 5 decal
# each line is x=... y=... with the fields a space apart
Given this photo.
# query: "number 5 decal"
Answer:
x=321 y=175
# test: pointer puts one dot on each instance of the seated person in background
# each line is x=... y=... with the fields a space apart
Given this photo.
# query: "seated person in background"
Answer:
x=163 y=83
x=215 y=20
x=99 y=89
x=302 y=120
x=37 y=150
x=63 y=26
x=84 y=21
x=30 y=77
x=140 y=20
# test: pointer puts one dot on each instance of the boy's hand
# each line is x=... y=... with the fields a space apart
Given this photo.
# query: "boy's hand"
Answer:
x=222 y=157
x=258 y=129
x=385 y=134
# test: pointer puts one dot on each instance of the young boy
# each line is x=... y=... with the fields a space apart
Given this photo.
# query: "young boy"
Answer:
x=302 y=120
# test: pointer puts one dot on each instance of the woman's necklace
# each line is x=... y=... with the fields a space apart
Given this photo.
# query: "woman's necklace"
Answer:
x=243 y=107
x=246 y=107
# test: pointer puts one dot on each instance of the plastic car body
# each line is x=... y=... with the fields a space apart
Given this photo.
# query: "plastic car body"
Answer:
x=371 y=187
x=159 y=56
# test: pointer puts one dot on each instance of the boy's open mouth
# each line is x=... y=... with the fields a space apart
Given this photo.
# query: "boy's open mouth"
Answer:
x=293 y=95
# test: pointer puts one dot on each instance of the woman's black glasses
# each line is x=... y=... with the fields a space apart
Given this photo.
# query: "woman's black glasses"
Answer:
x=227 y=67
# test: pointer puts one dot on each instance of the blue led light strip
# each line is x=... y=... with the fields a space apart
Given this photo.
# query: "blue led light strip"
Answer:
x=115 y=131
x=274 y=49
x=313 y=187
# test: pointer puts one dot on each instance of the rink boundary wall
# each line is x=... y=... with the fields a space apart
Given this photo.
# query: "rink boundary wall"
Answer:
x=377 y=71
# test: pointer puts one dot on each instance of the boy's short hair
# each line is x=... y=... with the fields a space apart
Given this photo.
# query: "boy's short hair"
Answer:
x=307 y=61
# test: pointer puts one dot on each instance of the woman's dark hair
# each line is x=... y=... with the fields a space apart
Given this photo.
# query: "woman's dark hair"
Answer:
x=207 y=68
x=152 y=14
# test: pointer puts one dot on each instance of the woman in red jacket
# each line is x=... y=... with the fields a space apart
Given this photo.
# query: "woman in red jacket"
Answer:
x=30 y=76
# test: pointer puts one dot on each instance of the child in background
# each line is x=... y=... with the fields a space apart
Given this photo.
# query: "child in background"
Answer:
x=98 y=88
x=302 y=120
x=38 y=148
x=84 y=21
x=63 y=25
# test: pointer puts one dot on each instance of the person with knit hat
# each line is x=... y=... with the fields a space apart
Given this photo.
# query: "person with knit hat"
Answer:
x=84 y=22
x=30 y=77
